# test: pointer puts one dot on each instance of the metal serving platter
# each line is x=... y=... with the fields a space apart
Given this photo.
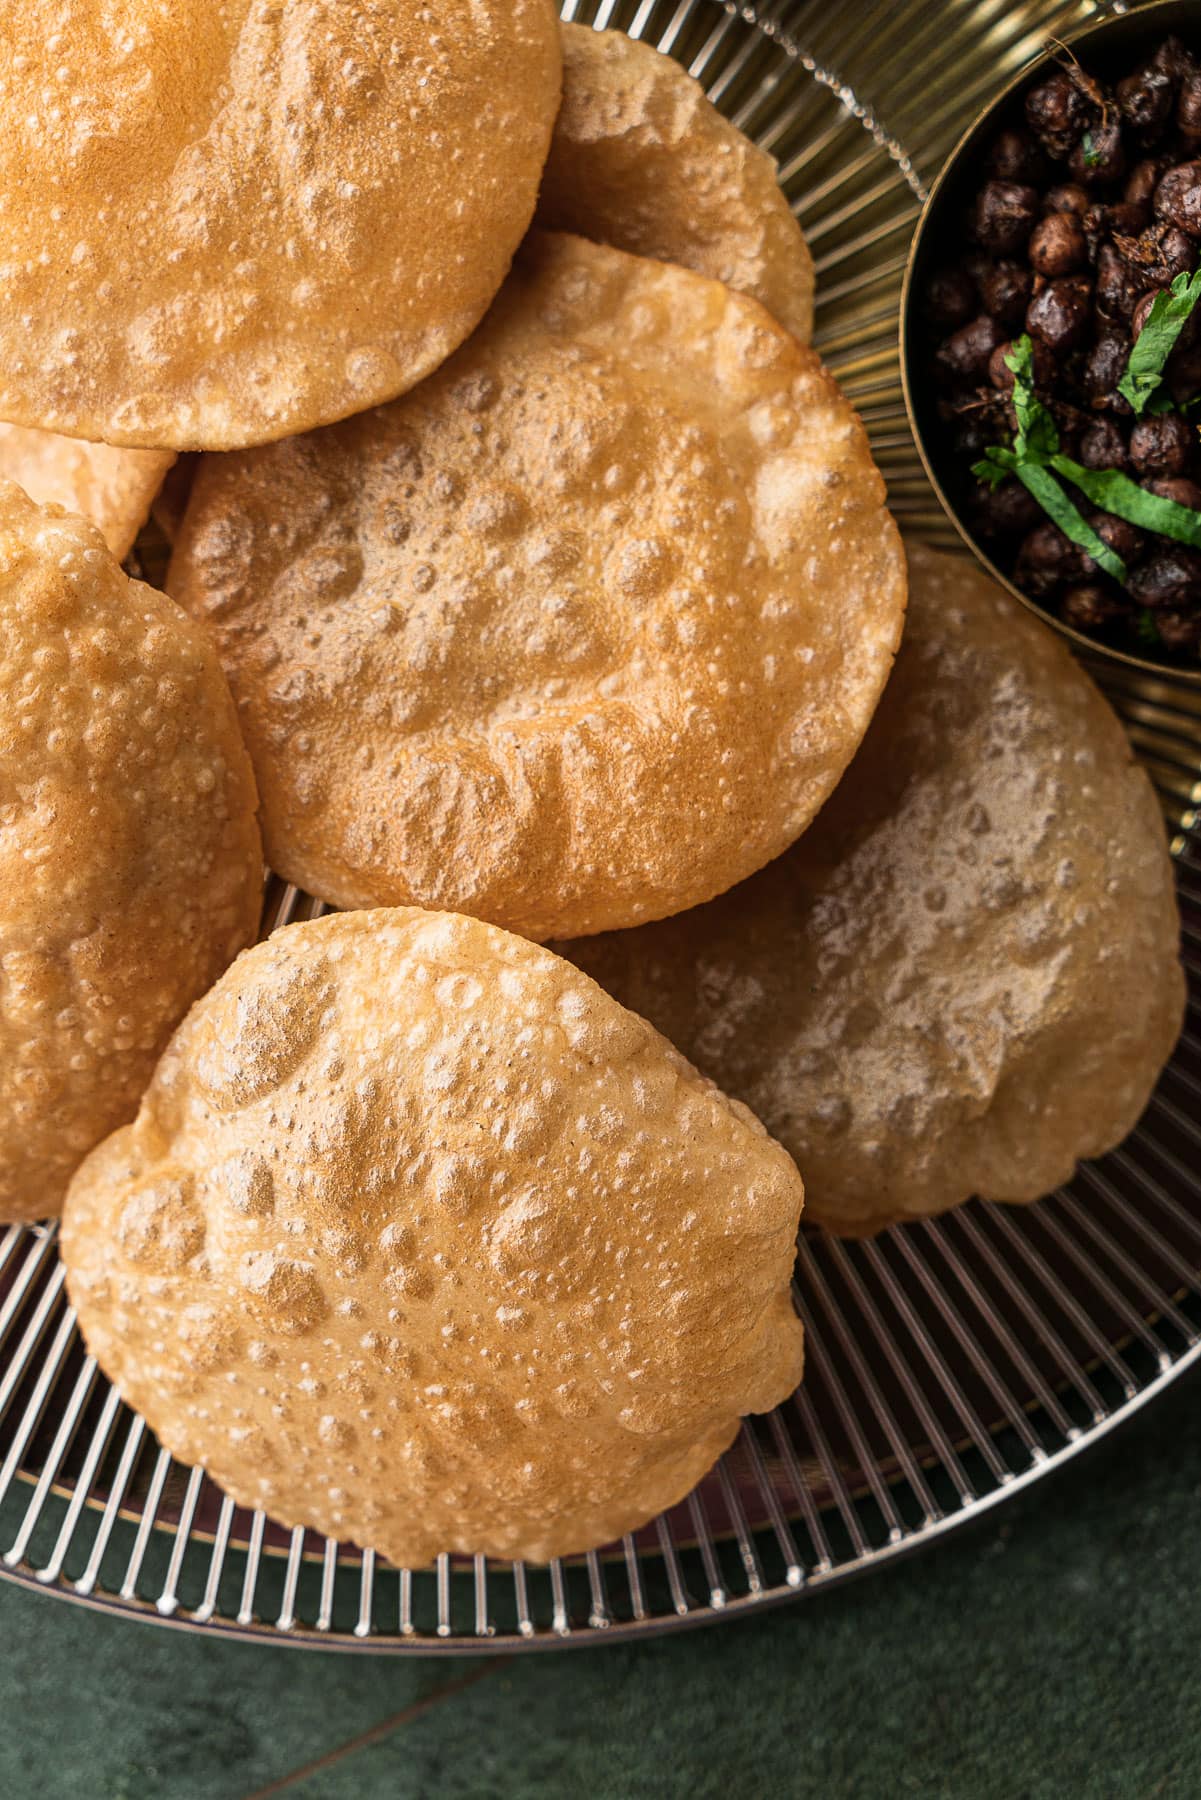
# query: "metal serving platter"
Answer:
x=950 y=1363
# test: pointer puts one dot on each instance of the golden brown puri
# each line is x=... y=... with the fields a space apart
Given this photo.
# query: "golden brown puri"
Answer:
x=581 y=631
x=130 y=861
x=113 y=488
x=642 y=160
x=965 y=975
x=225 y=220
x=424 y=1242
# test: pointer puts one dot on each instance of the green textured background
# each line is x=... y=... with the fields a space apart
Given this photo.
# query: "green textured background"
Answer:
x=1050 y=1650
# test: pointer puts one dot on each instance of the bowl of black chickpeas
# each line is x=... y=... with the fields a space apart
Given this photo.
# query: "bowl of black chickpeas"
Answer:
x=1051 y=337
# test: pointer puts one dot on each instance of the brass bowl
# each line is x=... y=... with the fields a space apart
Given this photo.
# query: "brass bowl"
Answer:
x=1112 y=47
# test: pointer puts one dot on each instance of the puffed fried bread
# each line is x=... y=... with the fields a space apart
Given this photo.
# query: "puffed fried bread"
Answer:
x=422 y=1241
x=965 y=977
x=130 y=860
x=641 y=159
x=580 y=632
x=224 y=221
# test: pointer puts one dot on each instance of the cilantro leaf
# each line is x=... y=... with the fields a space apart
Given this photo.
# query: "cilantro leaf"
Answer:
x=1115 y=493
x=1092 y=155
x=1039 y=481
x=1036 y=434
x=995 y=465
x=1035 y=446
x=1156 y=341
x=1035 y=458
x=1145 y=628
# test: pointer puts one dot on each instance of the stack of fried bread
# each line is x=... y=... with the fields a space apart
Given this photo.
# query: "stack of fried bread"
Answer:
x=531 y=585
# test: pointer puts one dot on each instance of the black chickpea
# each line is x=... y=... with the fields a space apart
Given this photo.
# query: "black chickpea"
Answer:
x=1123 y=538
x=1088 y=607
x=1099 y=158
x=950 y=298
x=1005 y=290
x=971 y=436
x=1104 y=367
x=965 y=355
x=1171 y=579
x=1124 y=219
x=1145 y=101
x=1161 y=445
x=1143 y=180
x=1179 y=631
x=1047 y=559
x=1188 y=108
x=1173 y=59
x=1102 y=445
x=1116 y=288
x=1059 y=315
x=1176 y=254
x=1057 y=245
x=1057 y=113
x=1067 y=197
x=1003 y=215
x=1005 y=510
x=1016 y=157
x=1178 y=198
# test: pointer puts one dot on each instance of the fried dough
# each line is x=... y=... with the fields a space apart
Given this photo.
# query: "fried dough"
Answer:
x=422 y=1241
x=965 y=977
x=579 y=633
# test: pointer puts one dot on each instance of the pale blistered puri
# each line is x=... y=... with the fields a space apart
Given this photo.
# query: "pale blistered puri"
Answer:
x=581 y=631
x=115 y=489
x=130 y=861
x=225 y=220
x=642 y=160
x=966 y=975
x=424 y=1242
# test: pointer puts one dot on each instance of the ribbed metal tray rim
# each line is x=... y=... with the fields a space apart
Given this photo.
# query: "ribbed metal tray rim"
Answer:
x=306 y=1637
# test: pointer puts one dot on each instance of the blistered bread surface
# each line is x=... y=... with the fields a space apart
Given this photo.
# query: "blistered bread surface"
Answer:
x=966 y=975
x=225 y=220
x=421 y=1240
x=581 y=631
x=130 y=859
x=641 y=159
x=113 y=488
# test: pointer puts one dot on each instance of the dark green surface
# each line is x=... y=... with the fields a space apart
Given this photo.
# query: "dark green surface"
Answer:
x=1051 y=1650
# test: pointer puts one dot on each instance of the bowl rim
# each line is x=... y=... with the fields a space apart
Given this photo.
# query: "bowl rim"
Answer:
x=1143 y=16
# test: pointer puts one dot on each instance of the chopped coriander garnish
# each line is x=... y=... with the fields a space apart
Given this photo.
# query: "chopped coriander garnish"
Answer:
x=1157 y=339
x=1037 y=479
x=1036 y=435
x=1115 y=493
x=1036 y=453
x=1145 y=628
x=1092 y=156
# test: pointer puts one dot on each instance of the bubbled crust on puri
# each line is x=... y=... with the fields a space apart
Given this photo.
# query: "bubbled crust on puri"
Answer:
x=965 y=976
x=422 y=1241
x=258 y=216
x=130 y=859
x=581 y=631
x=115 y=489
x=642 y=160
